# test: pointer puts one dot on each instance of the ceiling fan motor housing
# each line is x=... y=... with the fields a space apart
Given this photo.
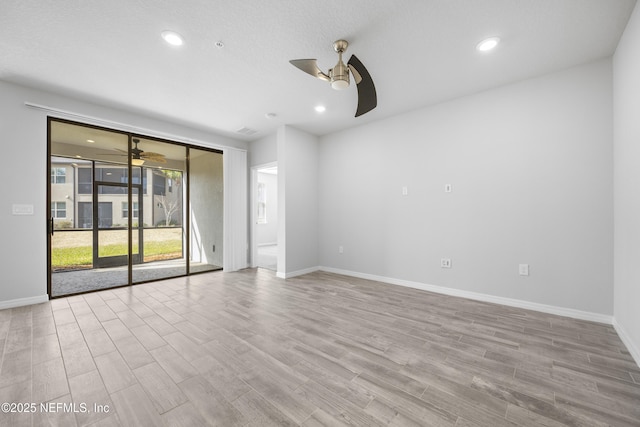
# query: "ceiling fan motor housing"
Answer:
x=340 y=73
x=339 y=76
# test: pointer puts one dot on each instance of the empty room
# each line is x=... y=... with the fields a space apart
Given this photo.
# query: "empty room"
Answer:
x=297 y=213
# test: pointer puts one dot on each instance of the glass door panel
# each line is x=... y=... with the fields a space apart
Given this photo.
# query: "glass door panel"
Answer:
x=85 y=219
x=71 y=237
x=160 y=210
x=205 y=210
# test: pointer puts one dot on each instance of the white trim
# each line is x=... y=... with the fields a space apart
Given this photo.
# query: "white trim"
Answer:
x=628 y=342
x=267 y=244
x=23 y=301
x=111 y=124
x=253 y=247
x=253 y=212
x=297 y=273
x=550 y=309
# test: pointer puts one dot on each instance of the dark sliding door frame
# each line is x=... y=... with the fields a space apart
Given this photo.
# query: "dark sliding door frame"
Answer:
x=130 y=186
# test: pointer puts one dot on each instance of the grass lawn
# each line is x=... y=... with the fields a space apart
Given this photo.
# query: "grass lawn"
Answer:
x=82 y=256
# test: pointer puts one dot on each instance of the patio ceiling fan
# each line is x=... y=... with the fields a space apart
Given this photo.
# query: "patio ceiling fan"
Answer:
x=139 y=156
x=338 y=76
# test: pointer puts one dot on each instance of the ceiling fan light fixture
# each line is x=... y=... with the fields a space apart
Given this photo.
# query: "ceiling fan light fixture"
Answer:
x=137 y=162
x=173 y=38
x=488 y=44
x=340 y=84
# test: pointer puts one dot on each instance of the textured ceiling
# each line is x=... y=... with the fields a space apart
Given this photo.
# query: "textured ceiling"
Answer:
x=419 y=52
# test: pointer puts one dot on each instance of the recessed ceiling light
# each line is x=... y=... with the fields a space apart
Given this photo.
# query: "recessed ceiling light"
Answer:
x=219 y=44
x=90 y=141
x=320 y=108
x=172 y=38
x=271 y=115
x=488 y=44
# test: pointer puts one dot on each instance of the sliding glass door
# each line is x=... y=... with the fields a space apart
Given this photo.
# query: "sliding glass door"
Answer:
x=128 y=209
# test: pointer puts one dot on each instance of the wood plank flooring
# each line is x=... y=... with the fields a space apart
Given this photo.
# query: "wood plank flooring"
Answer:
x=248 y=349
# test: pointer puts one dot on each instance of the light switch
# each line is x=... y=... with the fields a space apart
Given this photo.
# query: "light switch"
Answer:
x=405 y=191
x=22 y=209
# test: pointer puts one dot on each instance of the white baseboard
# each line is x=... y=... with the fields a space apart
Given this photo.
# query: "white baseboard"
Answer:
x=550 y=309
x=628 y=342
x=23 y=301
x=297 y=273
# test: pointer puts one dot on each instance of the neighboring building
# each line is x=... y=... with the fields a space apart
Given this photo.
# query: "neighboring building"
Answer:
x=72 y=195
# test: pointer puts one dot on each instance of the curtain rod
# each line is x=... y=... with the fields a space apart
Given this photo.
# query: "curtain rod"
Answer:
x=96 y=121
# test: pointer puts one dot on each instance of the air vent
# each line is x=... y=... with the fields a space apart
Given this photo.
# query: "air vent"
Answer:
x=246 y=131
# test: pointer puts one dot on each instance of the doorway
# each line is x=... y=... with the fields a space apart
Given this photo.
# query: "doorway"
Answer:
x=104 y=232
x=121 y=211
x=265 y=212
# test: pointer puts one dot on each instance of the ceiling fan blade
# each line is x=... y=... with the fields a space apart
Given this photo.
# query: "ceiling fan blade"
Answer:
x=367 y=97
x=356 y=75
x=151 y=154
x=310 y=66
x=154 y=157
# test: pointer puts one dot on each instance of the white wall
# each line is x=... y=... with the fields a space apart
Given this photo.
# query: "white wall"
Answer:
x=531 y=168
x=23 y=138
x=626 y=107
x=297 y=201
x=267 y=233
x=263 y=150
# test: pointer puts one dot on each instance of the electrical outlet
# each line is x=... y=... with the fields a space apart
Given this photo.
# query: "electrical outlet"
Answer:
x=523 y=269
x=405 y=191
x=340 y=249
x=445 y=262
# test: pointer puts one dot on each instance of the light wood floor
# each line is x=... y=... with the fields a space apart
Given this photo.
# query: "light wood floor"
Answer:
x=250 y=349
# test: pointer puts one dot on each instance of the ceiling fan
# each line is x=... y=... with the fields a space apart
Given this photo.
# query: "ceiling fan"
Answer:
x=339 y=76
x=139 y=156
